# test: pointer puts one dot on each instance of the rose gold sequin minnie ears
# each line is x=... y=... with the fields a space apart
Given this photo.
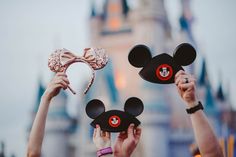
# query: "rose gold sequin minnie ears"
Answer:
x=61 y=59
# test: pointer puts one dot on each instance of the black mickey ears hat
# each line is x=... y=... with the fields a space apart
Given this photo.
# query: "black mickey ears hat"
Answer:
x=163 y=67
x=115 y=120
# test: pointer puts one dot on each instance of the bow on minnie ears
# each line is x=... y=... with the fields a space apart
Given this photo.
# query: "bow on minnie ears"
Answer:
x=61 y=59
x=163 y=67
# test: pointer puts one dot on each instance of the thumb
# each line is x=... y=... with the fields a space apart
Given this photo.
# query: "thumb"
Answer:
x=131 y=131
x=98 y=131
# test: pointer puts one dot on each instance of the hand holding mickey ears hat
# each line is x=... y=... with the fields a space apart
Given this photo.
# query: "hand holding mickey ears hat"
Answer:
x=61 y=59
x=163 y=67
x=114 y=120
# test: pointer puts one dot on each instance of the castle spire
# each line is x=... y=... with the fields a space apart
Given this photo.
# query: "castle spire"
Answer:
x=186 y=19
x=2 y=151
x=203 y=79
x=40 y=92
x=209 y=97
x=93 y=11
x=125 y=7
x=220 y=94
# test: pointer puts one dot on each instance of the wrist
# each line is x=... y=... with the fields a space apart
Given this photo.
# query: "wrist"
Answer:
x=121 y=154
x=103 y=146
x=192 y=103
x=117 y=154
x=46 y=96
x=104 y=151
x=195 y=108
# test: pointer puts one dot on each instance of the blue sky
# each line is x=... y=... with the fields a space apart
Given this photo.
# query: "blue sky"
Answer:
x=31 y=30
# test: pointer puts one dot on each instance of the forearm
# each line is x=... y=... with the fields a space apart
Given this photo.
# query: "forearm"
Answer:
x=37 y=131
x=204 y=135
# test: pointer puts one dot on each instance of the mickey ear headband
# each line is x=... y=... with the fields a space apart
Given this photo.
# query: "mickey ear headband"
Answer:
x=61 y=59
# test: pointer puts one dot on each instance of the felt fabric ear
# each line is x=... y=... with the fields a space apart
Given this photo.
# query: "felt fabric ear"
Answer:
x=184 y=54
x=161 y=69
x=94 y=108
x=133 y=106
x=139 y=56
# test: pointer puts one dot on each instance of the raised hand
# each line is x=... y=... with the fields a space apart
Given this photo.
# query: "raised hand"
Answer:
x=101 y=139
x=126 y=142
x=59 y=81
x=186 y=87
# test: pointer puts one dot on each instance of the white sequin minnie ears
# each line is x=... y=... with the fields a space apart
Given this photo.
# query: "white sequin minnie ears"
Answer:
x=61 y=59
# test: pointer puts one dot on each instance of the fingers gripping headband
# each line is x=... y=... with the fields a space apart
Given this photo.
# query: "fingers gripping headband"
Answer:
x=61 y=59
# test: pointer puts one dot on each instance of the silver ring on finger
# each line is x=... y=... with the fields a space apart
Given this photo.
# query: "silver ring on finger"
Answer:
x=186 y=80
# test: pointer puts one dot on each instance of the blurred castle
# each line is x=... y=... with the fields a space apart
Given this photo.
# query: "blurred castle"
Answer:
x=166 y=126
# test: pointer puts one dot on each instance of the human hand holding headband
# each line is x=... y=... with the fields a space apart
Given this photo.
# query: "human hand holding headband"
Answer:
x=61 y=59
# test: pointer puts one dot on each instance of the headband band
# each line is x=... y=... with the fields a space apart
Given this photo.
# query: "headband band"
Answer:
x=61 y=59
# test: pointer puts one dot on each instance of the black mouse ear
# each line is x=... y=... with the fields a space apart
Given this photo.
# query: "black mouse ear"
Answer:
x=184 y=54
x=94 y=108
x=134 y=106
x=139 y=56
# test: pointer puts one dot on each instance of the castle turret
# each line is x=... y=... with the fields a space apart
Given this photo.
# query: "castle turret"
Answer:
x=205 y=92
x=39 y=94
x=220 y=94
x=202 y=80
x=151 y=16
x=186 y=20
x=2 y=150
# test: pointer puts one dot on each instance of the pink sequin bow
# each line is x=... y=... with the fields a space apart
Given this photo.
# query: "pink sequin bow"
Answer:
x=61 y=59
